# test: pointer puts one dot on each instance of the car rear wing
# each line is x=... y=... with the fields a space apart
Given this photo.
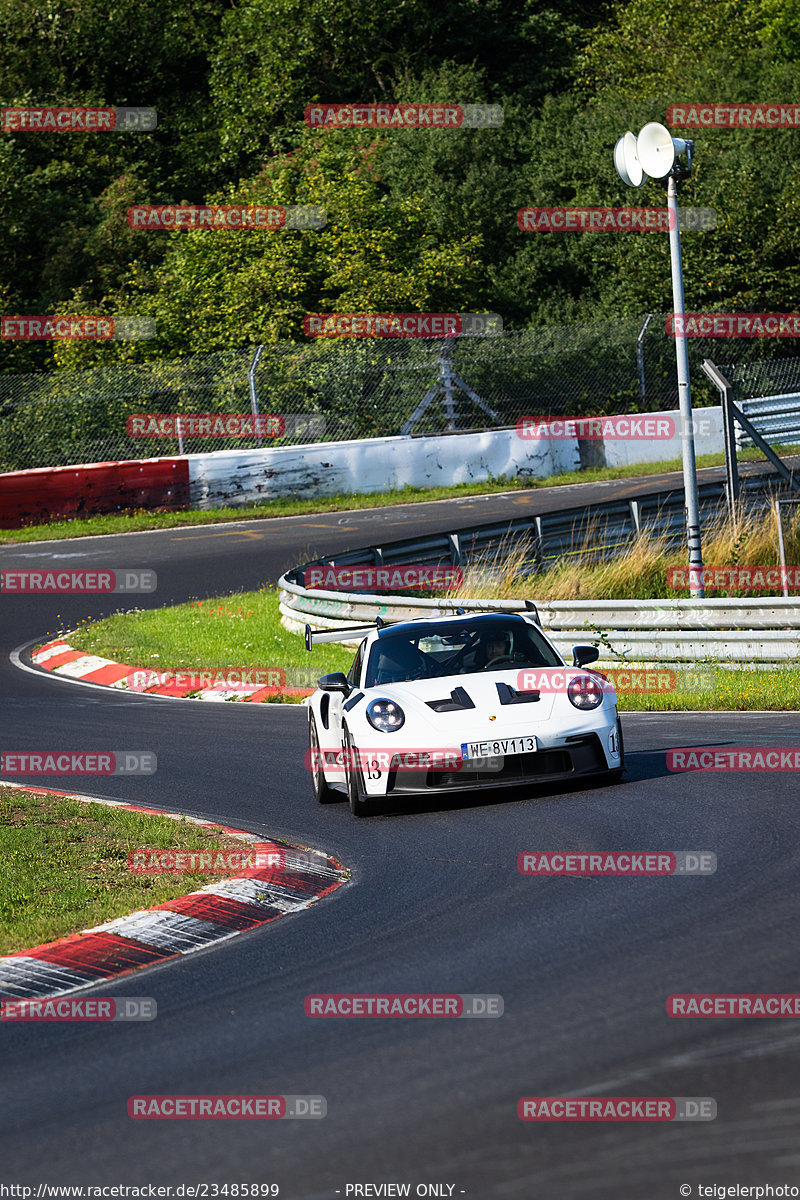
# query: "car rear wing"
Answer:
x=349 y=633
x=343 y=634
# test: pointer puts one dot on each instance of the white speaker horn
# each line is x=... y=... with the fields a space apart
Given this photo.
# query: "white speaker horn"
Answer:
x=657 y=149
x=626 y=160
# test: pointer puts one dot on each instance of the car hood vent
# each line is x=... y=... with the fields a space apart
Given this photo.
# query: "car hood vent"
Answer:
x=455 y=702
x=510 y=695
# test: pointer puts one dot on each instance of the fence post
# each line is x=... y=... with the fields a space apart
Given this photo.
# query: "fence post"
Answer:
x=640 y=355
x=251 y=379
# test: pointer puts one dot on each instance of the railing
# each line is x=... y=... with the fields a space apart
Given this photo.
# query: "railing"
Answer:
x=727 y=632
x=777 y=419
x=561 y=535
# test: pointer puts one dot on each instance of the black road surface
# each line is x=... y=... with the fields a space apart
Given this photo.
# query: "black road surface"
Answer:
x=435 y=904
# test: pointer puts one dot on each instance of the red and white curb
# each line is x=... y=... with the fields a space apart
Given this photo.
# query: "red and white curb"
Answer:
x=219 y=911
x=62 y=659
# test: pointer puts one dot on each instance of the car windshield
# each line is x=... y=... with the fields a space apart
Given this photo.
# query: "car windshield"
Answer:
x=428 y=651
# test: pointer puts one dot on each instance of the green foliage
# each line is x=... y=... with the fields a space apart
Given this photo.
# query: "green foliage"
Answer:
x=416 y=220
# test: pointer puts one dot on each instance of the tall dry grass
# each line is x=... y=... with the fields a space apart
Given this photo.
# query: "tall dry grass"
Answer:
x=637 y=572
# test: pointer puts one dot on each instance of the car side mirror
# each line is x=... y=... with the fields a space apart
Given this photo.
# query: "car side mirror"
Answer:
x=335 y=682
x=583 y=655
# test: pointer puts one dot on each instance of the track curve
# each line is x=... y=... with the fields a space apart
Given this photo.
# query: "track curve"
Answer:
x=436 y=905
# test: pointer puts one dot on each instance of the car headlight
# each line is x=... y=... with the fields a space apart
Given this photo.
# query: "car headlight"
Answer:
x=585 y=692
x=385 y=715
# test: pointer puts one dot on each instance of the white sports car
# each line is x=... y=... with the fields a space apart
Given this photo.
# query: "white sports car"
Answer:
x=457 y=703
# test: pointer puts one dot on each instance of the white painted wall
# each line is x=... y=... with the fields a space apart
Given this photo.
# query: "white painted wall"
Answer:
x=377 y=465
x=234 y=477
x=707 y=440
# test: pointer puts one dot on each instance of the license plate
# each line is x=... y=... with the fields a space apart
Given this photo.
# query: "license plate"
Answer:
x=499 y=748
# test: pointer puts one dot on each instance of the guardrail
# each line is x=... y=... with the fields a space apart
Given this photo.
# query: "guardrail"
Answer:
x=728 y=632
x=776 y=418
x=561 y=535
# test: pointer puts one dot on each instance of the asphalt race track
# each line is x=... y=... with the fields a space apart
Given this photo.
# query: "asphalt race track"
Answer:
x=436 y=904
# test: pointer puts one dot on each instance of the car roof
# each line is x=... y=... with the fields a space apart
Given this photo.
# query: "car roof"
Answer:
x=443 y=623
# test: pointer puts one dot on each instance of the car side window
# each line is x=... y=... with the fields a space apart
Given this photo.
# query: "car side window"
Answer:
x=355 y=671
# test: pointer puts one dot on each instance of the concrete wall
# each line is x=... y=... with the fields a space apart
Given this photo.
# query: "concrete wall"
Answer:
x=707 y=440
x=334 y=468
x=237 y=477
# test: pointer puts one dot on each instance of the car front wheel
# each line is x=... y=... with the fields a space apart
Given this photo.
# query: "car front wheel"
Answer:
x=359 y=807
x=323 y=792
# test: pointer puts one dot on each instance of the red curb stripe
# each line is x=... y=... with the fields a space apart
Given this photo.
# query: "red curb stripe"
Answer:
x=114 y=672
x=99 y=954
x=168 y=689
x=219 y=910
x=111 y=673
x=58 y=660
x=262 y=693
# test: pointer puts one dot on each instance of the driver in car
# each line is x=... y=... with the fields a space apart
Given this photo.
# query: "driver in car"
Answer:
x=495 y=645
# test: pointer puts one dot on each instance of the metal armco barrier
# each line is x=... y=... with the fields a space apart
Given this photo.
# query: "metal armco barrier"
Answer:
x=561 y=535
x=727 y=632
x=763 y=631
x=777 y=419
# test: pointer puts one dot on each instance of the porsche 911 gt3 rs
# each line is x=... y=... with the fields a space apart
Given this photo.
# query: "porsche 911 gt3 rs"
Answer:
x=458 y=703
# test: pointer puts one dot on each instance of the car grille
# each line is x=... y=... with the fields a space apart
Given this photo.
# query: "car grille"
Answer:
x=582 y=755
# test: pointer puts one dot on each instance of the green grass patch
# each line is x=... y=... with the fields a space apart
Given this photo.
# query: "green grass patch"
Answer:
x=239 y=632
x=220 y=635
x=292 y=506
x=65 y=865
x=732 y=690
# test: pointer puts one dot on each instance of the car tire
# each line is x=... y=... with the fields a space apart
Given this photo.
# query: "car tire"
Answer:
x=359 y=807
x=323 y=792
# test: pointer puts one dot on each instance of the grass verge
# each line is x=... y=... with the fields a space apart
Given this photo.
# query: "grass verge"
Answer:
x=239 y=632
x=219 y=636
x=65 y=865
x=292 y=506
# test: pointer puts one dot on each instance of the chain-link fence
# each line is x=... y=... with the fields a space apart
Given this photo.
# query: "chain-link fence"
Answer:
x=776 y=377
x=332 y=390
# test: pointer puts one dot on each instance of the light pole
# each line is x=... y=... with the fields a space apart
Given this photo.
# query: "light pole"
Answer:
x=655 y=152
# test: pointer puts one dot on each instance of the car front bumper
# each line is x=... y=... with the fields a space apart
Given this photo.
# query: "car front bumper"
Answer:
x=580 y=755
